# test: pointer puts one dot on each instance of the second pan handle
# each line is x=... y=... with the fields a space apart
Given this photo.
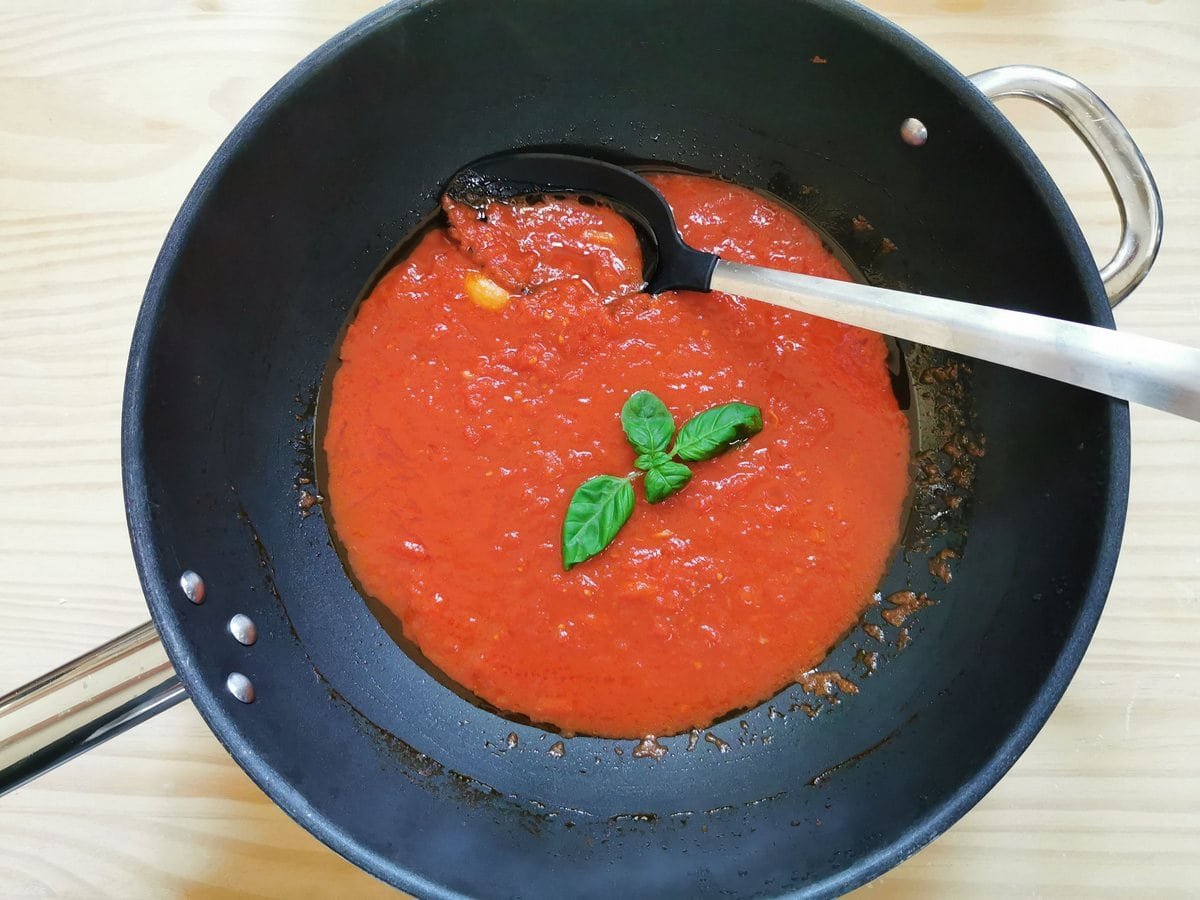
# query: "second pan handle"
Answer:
x=1128 y=175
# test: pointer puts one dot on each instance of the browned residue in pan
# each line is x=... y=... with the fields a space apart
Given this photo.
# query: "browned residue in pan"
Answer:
x=721 y=745
x=825 y=684
x=868 y=659
x=873 y=631
x=308 y=499
x=945 y=465
x=650 y=747
x=902 y=605
x=811 y=710
x=945 y=469
x=939 y=565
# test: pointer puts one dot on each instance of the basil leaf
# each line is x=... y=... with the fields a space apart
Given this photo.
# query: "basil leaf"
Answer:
x=599 y=508
x=716 y=430
x=647 y=422
x=665 y=479
x=651 y=460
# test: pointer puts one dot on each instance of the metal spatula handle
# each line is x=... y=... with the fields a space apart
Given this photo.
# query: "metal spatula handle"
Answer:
x=1138 y=369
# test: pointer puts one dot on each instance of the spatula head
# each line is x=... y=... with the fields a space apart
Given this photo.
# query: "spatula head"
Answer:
x=509 y=175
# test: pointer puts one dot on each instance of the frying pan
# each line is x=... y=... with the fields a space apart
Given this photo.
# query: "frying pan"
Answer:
x=329 y=716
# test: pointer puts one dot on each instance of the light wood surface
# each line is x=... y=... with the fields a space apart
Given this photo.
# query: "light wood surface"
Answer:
x=108 y=111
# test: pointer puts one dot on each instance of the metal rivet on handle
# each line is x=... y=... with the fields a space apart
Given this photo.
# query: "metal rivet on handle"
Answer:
x=193 y=586
x=243 y=629
x=240 y=686
x=913 y=132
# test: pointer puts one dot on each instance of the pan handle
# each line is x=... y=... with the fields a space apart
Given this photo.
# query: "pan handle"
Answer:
x=84 y=703
x=1128 y=175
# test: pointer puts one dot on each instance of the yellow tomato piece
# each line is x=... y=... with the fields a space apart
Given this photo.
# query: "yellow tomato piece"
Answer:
x=484 y=292
x=600 y=237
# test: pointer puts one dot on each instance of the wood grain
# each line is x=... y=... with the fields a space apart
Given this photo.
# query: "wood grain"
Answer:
x=109 y=110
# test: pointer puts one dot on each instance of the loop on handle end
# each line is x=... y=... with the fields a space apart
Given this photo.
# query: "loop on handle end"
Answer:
x=1128 y=175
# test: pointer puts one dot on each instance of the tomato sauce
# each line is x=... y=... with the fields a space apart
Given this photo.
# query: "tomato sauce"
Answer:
x=482 y=381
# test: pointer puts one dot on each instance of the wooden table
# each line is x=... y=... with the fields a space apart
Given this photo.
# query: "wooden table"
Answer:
x=109 y=110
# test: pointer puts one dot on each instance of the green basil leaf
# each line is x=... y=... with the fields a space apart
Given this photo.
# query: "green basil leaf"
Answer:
x=599 y=508
x=651 y=460
x=715 y=430
x=665 y=479
x=647 y=422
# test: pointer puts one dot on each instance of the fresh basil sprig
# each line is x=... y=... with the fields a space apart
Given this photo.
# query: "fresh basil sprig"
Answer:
x=649 y=426
x=603 y=504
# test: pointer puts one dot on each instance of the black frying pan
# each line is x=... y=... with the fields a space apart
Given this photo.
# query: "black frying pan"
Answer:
x=350 y=735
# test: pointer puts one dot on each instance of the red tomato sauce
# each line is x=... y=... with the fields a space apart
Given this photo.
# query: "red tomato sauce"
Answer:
x=482 y=381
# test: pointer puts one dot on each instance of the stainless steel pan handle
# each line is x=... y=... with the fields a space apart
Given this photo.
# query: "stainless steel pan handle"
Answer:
x=84 y=703
x=1128 y=175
